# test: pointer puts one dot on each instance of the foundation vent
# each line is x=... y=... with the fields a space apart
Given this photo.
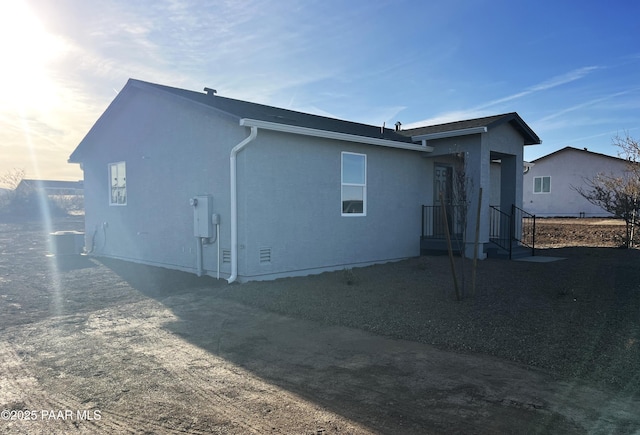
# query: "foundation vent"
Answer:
x=226 y=256
x=265 y=255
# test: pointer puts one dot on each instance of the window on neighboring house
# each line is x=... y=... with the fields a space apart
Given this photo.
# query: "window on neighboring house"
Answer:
x=541 y=184
x=354 y=184
x=118 y=183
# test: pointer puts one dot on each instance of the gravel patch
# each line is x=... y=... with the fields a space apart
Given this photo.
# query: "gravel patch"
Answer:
x=578 y=318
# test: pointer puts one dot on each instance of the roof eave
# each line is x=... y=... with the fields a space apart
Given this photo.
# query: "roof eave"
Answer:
x=529 y=136
x=305 y=131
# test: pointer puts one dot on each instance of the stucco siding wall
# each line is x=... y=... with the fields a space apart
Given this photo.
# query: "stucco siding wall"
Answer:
x=173 y=151
x=567 y=170
x=290 y=195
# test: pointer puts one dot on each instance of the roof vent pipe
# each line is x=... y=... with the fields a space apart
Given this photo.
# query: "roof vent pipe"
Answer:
x=210 y=92
x=398 y=126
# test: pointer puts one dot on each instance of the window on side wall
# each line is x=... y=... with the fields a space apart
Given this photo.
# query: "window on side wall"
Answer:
x=354 y=184
x=118 y=183
x=541 y=184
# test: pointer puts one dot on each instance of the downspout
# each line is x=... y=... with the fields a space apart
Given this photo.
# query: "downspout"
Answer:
x=234 y=203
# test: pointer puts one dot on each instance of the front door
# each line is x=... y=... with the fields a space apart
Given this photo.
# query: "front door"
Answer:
x=442 y=194
x=443 y=184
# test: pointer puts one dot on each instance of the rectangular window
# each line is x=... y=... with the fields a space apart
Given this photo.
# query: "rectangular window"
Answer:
x=541 y=184
x=354 y=184
x=118 y=183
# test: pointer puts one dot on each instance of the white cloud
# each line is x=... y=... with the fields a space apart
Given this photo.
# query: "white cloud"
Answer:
x=481 y=109
x=446 y=117
x=585 y=104
x=554 y=82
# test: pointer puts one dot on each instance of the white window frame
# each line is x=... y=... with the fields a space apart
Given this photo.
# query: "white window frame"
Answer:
x=362 y=185
x=541 y=192
x=110 y=168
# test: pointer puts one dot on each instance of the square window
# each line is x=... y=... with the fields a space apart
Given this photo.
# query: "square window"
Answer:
x=541 y=184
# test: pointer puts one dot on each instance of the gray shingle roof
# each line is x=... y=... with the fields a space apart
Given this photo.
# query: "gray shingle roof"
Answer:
x=245 y=109
x=530 y=138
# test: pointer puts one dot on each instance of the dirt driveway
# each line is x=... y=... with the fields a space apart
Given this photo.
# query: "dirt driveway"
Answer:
x=91 y=347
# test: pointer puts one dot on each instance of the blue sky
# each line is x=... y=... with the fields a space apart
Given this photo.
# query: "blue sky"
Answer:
x=570 y=69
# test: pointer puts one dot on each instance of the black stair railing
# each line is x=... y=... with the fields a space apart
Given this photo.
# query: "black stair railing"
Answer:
x=505 y=229
x=434 y=225
x=526 y=233
x=501 y=229
x=518 y=227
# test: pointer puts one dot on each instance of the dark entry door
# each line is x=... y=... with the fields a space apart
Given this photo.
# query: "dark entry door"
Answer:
x=443 y=191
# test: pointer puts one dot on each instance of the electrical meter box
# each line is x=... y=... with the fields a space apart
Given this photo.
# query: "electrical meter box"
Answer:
x=202 y=211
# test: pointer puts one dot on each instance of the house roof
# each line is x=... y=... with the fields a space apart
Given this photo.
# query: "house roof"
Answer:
x=305 y=123
x=584 y=151
x=530 y=138
x=244 y=109
x=50 y=184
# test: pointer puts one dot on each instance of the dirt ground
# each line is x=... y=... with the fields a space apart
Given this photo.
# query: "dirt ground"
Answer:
x=101 y=346
x=594 y=232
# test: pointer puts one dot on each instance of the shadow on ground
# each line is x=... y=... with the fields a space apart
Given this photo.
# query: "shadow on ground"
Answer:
x=66 y=263
x=390 y=386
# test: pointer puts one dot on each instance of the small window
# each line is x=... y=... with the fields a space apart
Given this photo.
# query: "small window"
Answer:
x=354 y=184
x=541 y=184
x=118 y=183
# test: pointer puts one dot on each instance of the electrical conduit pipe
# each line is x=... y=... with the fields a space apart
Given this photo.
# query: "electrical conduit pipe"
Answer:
x=200 y=267
x=234 y=203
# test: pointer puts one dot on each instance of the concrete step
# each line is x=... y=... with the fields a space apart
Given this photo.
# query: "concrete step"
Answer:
x=431 y=246
x=517 y=251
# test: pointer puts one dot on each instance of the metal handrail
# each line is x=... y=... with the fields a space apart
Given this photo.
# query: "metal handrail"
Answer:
x=527 y=233
x=504 y=228
x=501 y=229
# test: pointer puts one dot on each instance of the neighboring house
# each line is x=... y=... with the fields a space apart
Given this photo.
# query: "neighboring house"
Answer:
x=4 y=194
x=51 y=187
x=212 y=185
x=550 y=183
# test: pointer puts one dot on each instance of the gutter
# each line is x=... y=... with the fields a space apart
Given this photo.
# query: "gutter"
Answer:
x=234 y=202
x=305 y=131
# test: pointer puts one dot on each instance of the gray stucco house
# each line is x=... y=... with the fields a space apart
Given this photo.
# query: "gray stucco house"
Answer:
x=212 y=185
x=550 y=182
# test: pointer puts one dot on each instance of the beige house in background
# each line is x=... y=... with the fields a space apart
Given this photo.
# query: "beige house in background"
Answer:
x=550 y=182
